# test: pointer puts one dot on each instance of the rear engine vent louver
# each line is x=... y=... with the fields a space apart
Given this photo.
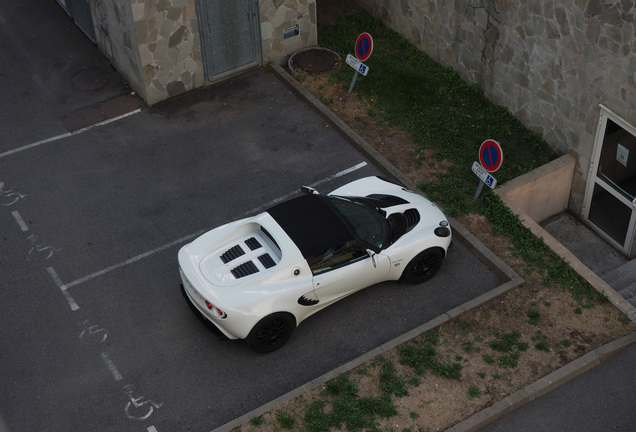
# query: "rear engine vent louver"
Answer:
x=232 y=254
x=388 y=200
x=412 y=218
x=244 y=269
x=267 y=261
x=252 y=243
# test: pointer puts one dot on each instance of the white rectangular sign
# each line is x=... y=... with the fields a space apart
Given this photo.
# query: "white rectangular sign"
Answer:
x=483 y=175
x=357 y=65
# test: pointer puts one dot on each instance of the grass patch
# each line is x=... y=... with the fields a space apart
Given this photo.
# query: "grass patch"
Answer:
x=342 y=407
x=444 y=114
x=285 y=420
x=510 y=348
x=474 y=392
x=390 y=381
x=533 y=316
x=448 y=119
x=423 y=356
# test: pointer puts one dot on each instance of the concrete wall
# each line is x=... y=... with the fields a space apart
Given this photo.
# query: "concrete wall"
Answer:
x=155 y=44
x=551 y=62
x=543 y=192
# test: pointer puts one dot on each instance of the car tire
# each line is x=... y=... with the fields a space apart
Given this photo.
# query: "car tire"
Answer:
x=424 y=266
x=271 y=332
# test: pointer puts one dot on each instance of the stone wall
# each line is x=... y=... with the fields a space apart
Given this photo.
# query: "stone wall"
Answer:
x=551 y=62
x=279 y=15
x=155 y=44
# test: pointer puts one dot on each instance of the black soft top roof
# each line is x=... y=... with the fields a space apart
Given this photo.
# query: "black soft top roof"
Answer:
x=311 y=223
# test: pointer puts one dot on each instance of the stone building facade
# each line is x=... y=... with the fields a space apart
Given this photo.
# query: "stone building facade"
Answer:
x=552 y=63
x=156 y=44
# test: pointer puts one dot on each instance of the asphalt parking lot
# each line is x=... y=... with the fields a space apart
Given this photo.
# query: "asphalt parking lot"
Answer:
x=95 y=333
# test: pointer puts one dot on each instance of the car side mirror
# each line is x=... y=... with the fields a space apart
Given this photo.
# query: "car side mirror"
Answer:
x=309 y=190
x=372 y=255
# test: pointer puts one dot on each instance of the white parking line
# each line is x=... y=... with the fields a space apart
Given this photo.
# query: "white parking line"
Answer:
x=291 y=194
x=66 y=135
x=132 y=260
x=20 y=221
x=64 y=287
x=111 y=367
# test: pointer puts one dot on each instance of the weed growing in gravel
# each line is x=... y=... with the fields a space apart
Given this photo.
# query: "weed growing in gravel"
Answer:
x=423 y=356
x=342 y=407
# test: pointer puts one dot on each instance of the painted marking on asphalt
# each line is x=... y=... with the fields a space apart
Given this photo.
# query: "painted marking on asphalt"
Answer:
x=152 y=429
x=66 y=135
x=111 y=367
x=291 y=194
x=62 y=288
x=341 y=173
x=198 y=233
x=133 y=259
x=23 y=226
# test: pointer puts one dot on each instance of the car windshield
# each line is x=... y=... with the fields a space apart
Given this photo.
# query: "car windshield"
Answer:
x=366 y=223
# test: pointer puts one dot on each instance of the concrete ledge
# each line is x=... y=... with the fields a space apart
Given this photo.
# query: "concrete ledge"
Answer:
x=543 y=192
x=592 y=278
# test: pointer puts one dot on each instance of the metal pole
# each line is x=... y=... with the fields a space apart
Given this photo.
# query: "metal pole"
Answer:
x=353 y=81
x=478 y=191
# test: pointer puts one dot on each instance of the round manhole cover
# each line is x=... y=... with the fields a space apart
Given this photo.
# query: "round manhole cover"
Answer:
x=90 y=79
x=314 y=61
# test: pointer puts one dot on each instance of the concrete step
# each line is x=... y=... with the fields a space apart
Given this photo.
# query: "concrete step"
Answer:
x=622 y=277
x=629 y=294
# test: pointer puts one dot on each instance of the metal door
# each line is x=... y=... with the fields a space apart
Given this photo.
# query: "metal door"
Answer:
x=80 y=11
x=230 y=36
x=610 y=198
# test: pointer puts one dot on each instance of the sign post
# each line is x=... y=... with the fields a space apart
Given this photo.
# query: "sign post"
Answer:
x=363 y=49
x=490 y=158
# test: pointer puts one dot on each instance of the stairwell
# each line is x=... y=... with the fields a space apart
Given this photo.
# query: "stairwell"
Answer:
x=623 y=280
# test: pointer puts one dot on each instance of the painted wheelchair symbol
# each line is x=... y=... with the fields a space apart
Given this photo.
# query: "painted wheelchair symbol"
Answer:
x=139 y=408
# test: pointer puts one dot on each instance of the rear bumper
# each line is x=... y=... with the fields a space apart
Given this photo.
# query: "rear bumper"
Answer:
x=196 y=303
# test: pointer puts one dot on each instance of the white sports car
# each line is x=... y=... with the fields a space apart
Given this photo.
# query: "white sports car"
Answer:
x=259 y=277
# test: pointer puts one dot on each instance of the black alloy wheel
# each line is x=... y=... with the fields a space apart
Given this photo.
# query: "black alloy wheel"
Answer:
x=271 y=332
x=424 y=266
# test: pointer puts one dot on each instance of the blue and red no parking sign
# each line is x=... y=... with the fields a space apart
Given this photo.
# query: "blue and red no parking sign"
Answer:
x=490 y=155
x=364 y=46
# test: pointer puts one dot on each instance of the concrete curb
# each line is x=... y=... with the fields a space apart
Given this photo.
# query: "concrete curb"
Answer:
x=492 y=261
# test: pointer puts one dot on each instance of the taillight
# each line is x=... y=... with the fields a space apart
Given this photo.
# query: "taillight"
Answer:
x=215 y=310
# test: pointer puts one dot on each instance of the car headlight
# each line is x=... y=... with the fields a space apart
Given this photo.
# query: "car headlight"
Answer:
x=442 y=230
